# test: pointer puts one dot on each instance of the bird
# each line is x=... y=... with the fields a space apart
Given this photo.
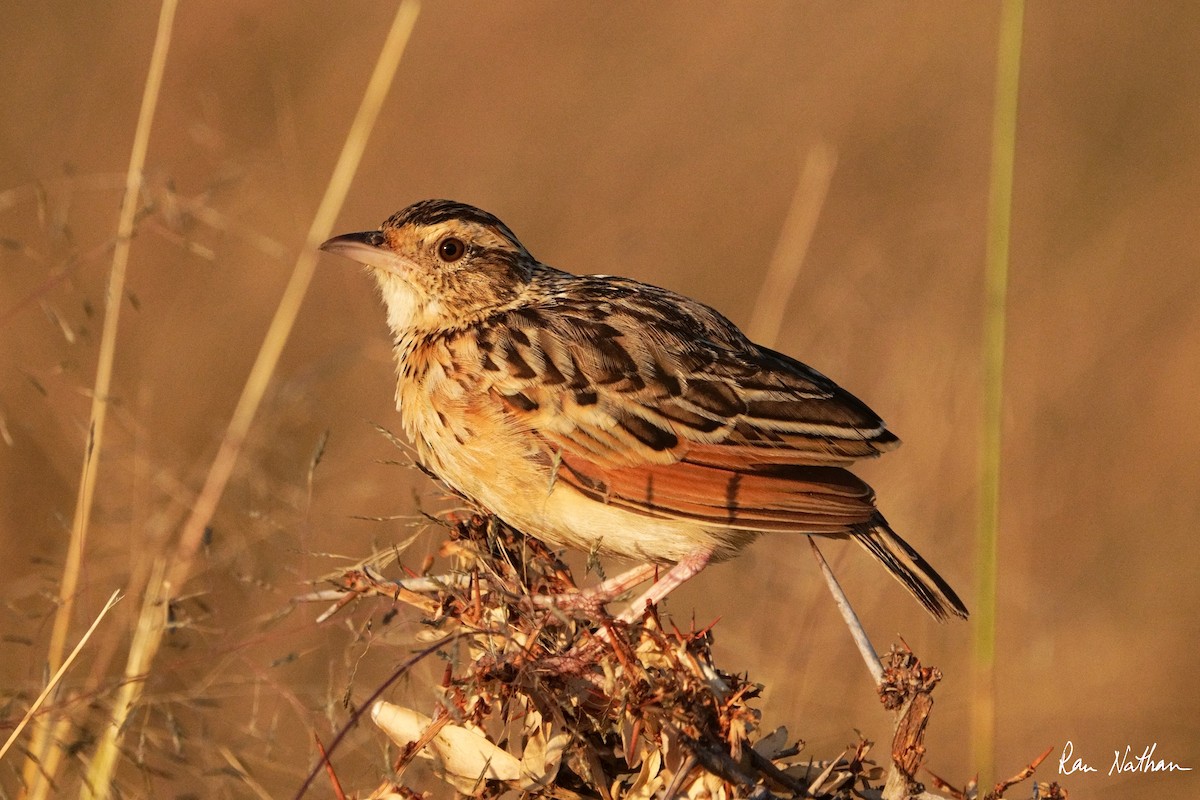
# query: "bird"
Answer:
x=613 y=416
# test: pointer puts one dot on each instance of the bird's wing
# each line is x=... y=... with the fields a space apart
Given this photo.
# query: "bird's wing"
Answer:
x=656 y=403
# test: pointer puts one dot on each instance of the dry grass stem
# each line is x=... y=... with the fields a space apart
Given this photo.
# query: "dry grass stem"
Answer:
x=235 y=763
x=102 y=387
x=151 y=623
x=794 y=239
x=113 y=599
x=293 y=294
x=870 y=658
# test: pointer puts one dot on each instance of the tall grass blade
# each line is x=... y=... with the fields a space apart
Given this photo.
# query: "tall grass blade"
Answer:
x=999 y=229
x=293 y=294
x=102 y=388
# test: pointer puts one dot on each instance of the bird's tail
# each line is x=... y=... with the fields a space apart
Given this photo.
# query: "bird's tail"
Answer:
x=910 y=569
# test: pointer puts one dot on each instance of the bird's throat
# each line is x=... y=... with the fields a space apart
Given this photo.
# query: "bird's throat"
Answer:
x=405 y=309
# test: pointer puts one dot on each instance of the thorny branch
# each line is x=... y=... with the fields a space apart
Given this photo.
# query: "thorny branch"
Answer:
x=563 y=700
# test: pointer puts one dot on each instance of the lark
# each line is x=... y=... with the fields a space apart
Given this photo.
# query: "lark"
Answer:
x=610 y=415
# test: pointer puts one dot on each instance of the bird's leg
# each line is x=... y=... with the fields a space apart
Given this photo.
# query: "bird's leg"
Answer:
x=591 y=599
x=675 y=577
x=617 y=585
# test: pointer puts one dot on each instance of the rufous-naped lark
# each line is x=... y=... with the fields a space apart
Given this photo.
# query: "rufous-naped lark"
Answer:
x=614 y=416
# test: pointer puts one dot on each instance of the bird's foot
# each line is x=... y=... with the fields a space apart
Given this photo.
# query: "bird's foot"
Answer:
x=579 y=602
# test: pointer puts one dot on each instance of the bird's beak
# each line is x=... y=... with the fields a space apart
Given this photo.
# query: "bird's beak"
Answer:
x=367 y=248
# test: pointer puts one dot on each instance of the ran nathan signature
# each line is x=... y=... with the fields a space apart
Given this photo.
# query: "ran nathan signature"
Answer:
x=1123 y=761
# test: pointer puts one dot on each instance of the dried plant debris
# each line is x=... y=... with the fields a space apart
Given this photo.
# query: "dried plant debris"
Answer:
x=1042 y=790
x=557 y=698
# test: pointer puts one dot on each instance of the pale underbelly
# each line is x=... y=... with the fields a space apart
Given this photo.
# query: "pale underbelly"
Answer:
x=525 y=495
x=566 y=517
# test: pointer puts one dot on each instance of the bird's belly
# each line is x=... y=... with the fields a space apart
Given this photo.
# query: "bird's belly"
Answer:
x=566 y=517
x=525 y=495
x=503 y=470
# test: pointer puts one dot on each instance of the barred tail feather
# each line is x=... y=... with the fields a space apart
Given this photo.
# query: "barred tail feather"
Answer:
x=910 y=569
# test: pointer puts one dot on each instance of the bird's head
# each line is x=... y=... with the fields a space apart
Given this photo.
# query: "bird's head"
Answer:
x=440 y=264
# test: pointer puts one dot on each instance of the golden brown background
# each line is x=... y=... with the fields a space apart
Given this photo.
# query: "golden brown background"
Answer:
x=661 y=142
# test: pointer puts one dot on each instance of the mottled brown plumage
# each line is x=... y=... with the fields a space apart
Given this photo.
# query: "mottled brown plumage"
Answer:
x=607 y=414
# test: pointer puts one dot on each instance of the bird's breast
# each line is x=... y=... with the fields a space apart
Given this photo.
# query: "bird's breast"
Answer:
x=464 y=435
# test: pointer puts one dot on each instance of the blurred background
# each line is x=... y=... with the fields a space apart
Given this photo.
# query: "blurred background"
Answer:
x=661 y=142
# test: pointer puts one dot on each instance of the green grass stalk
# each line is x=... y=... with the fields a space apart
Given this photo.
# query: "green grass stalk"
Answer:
x=999 y=232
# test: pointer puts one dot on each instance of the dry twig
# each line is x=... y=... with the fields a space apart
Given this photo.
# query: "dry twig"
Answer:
x=540 y=701
x=561 y=699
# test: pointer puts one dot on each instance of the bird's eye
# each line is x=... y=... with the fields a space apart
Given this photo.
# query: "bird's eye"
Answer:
x=451 y=249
